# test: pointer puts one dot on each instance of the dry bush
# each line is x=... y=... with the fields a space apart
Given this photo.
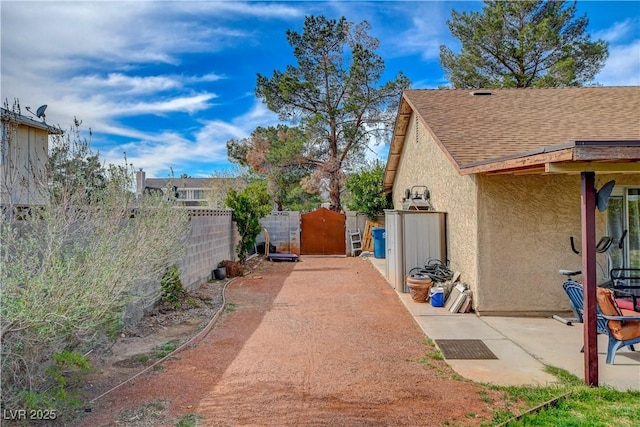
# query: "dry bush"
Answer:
x=68 y=270
x=232 y=268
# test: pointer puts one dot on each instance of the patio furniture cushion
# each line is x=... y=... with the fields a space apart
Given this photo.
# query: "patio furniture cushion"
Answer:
x=620 y=330
x=625 y=304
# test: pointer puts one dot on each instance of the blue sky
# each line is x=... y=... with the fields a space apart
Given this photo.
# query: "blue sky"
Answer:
x=169 y=82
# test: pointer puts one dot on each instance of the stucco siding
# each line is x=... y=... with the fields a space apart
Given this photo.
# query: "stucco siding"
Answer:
x=525 y=223
x=424 y=163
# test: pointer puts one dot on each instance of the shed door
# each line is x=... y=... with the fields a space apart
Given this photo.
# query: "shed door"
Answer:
x=323 y=233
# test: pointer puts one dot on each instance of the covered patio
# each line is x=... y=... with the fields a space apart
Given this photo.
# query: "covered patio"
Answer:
x=523 y=346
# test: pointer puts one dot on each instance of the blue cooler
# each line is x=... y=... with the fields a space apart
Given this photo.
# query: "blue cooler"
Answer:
x=378 y=242
x=437 y=297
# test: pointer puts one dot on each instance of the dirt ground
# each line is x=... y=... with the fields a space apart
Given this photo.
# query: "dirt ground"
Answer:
x=320 y=342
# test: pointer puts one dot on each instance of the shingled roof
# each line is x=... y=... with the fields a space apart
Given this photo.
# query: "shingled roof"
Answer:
x=502 y=129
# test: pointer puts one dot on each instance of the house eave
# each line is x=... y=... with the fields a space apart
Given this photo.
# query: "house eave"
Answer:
x=395 y=151
x=11 y=117
x=570 y=157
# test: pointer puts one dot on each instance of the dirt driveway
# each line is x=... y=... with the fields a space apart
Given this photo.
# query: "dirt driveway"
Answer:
x=321 y=342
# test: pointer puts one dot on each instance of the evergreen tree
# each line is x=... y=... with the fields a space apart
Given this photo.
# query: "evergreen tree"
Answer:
x=334 y=96
x=522 y=44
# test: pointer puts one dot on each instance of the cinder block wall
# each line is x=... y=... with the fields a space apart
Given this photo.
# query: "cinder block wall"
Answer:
x=213 y=238
x=284 y=231
x=355 y=221
x=358 y=221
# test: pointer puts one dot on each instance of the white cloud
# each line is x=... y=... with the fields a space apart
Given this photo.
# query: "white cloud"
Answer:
x=185 y=104
x=131 y=85
x=427 y=32
x=622 y=67
x=157 y=153
x=53 y=48
x=619 y=31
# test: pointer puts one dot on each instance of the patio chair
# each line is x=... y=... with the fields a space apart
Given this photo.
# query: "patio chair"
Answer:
x=625 y=284
x=623 y=326
x=574 y=291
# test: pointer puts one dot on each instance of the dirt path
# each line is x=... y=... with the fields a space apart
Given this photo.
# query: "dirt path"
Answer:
x=321 y=342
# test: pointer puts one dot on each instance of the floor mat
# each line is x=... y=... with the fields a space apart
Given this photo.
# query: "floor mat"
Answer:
x=465 y=349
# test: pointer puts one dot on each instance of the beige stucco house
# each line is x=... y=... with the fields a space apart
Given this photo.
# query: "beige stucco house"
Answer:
x=24 y=158
x=504 y=164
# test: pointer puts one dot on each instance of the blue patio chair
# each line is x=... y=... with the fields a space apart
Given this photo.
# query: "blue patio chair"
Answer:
x=574 y=291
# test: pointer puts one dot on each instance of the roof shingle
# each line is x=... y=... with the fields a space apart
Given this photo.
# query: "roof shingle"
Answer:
x=508 y=122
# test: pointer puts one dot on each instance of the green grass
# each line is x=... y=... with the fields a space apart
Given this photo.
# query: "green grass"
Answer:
x=570 y=403
x=166 y=348
x=230 y=307
x=189 y=420
x=566 y=403
x=142 y=358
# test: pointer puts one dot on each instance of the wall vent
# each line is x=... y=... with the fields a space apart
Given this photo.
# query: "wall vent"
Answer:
x=481 y=93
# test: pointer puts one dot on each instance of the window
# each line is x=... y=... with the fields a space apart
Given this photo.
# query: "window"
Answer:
x=623 y=214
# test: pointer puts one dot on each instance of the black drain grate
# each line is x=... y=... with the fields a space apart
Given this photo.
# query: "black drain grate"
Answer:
x=465 y=349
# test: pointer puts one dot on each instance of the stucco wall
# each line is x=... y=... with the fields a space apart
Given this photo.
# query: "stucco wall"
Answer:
x=523 y=240
x=509 y=236
x=423 y=163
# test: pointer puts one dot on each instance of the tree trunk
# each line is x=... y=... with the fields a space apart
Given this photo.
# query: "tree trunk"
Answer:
x=334 y=192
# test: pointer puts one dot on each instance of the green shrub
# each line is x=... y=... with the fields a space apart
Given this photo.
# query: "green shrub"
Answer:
x=365 y=191
x=171 y=290
x=249 y=205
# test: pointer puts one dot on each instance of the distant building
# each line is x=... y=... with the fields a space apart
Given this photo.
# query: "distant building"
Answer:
x=24 y=156
x=208 y=192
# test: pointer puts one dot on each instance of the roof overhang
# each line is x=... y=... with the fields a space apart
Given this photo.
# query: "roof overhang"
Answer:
x=13 y=117
x=571 y=157
x=395 y=151
x=601 y=156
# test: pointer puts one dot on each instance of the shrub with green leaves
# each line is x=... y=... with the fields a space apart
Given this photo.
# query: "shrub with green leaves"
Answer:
x=248 y=205
x=172 y=291
x=365 y=191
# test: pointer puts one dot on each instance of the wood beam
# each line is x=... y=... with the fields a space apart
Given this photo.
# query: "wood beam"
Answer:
x=521 y=162
x=602 y=167
x=534 y=170
x=606 y=153
x=588 y=209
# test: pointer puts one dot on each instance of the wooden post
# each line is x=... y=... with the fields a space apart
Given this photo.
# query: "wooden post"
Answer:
x=588 y=207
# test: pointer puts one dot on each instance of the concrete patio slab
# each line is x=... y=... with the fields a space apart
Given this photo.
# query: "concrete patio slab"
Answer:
x=523 y=346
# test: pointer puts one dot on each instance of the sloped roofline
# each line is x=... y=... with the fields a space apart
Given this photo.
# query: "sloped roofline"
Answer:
x=13 y=117
x=611 y=156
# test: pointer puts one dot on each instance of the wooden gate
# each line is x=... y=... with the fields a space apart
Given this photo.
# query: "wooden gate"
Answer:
x=323 y=233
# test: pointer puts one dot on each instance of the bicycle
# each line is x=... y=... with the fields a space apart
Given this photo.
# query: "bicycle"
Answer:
x=616 y=279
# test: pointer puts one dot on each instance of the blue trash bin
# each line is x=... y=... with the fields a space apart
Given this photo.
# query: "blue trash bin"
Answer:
x=378 y=242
